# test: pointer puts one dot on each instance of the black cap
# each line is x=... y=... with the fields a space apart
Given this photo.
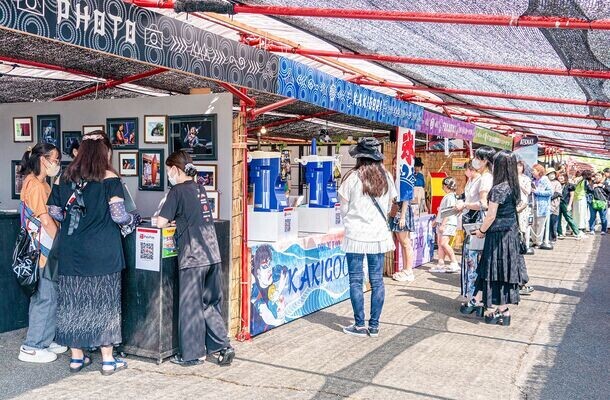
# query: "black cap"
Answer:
x=367 y=147
x=418 y=162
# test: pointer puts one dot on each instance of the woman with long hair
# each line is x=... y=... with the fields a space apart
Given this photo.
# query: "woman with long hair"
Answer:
x=38 y=164
x=502 y=268
x=89 y=202
x=366 y=195
x=402 y=224
x=202 y=330
x=473 y=208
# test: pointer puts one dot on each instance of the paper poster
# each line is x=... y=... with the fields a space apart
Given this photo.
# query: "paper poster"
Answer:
x=457 y=163
x=405 y=159
x=168 y=244
x=423 y=241
x=147 y=249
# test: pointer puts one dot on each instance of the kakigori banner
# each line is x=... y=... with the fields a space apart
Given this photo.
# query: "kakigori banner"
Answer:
x=291 y=282
x=405 y=163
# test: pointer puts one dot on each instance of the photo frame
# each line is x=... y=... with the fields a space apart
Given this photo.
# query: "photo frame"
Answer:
x=22 y=130
x=213 y=199
x=49 y=129
x=207 y=175
x=128 y=163
x=16 y=179
x=195 y=134
x=92 y=128
x=151 y=165
x=155 y=129
x=68 y=138
x=122 y=132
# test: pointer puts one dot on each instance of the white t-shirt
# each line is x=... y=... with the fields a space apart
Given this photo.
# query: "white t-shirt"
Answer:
x=525 y=184
x=471 y=191
x=449 y=201
x=366 y=230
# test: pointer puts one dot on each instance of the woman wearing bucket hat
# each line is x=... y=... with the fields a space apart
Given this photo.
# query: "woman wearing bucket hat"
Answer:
x=366 y=195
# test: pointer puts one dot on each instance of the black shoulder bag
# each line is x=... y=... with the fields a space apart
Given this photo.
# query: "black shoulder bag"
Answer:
x=26 y=257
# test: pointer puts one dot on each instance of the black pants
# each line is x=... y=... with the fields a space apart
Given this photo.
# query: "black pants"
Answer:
x=201 y=327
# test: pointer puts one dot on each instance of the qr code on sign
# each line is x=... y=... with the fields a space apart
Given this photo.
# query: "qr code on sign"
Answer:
x=147 y=251
x=287 y=226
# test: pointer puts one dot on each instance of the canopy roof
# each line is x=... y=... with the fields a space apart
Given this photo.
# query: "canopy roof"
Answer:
x=521 y=46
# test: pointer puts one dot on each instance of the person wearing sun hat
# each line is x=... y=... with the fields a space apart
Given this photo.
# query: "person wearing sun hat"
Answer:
x=366 y=195
x=419 y=188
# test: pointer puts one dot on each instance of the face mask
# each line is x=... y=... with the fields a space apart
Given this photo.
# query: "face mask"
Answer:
x=172 y=180
x=477 y=164
x=53 y=170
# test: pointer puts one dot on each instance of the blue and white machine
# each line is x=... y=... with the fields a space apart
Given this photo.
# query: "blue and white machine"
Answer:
x=269 y=219
x=322 y=213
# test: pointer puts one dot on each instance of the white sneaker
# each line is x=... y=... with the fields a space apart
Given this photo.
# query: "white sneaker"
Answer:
x=453 y=267
x=438 y=268
x=39 y=356
x=409 y=277
x=57 y=348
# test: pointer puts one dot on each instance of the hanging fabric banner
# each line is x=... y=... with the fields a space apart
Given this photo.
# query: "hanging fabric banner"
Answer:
x=487 y=137
x=405 y=159
x=439 y=125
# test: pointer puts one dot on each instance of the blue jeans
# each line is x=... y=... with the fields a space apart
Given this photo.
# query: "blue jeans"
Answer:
x=602 y=217
x=42 y=316
x=355 y=263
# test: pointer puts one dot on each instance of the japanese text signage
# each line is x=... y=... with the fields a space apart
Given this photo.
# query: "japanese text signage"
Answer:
x=487 y=137
x=439 y=125
x=405 y=160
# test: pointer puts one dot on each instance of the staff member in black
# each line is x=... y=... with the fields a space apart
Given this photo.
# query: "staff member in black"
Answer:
x=202 y=330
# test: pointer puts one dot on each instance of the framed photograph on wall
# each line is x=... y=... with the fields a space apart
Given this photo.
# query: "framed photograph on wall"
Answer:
x=151 y=165
x=69 y=139
x=213 y=198
x=155 y=129
x=128 y=163
x=207 y=175
x=49 y=129
x=16 y=179
x=92 y=128
x=195 y=134
x=22 y=129
x=123 y=132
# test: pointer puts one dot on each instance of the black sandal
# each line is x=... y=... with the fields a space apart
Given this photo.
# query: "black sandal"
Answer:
x=470 y=307
x=178 y=360
x=84 y=362
x=498 y=318
x=226 y=356
x=116 y=367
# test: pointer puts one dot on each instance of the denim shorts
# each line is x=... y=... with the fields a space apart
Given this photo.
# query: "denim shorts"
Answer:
x=409 y=221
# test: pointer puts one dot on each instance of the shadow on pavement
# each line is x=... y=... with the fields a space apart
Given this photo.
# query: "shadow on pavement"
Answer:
x=580 y=361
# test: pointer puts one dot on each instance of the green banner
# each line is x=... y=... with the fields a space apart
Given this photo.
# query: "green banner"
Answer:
x=490 y=138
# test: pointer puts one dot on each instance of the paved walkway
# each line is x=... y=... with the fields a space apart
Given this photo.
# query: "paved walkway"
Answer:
x=558 y=347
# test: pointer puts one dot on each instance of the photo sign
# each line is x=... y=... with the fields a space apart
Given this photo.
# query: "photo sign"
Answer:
x=124 y=30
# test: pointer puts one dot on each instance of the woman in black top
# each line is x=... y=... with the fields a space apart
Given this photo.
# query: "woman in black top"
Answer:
x=88 y=201
x=502 y=268
x=201 y=328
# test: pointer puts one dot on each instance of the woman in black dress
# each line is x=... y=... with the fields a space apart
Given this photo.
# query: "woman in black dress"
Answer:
x=89 y=203
x=502 y=268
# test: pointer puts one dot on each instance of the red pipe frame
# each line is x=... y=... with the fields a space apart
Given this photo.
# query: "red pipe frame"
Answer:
x=239 y=93
x=252 y=114
x=530 y=21
x=109 y=84
x=398 y=85
x=444 y=63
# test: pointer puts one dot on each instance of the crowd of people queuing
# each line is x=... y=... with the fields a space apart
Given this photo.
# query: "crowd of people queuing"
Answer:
x=506 y=211
x=78 y=224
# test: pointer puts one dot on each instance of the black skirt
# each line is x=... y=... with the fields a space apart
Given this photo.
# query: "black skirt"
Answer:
x=89 y=311
x=502 y=269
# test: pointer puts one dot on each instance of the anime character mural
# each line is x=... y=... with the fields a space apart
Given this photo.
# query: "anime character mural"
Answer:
x=267 y=297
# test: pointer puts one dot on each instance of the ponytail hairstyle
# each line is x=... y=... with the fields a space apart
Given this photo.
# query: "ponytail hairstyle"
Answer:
x=30 y=162
x=183 y=161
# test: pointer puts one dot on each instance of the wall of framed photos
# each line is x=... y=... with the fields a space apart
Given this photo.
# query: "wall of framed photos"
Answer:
x=144 y=132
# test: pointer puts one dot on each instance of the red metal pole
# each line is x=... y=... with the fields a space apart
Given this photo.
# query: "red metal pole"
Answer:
x=244 y=332
x=250 y=102
x=295 y=119
x=500 y=120
x=595 y=133
x=398 y=85
x=511 y=110
x=445 y=63
x=109 y=84
x=36 y=64
x=252 y=114
x=152 y=3
x=549 y=22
